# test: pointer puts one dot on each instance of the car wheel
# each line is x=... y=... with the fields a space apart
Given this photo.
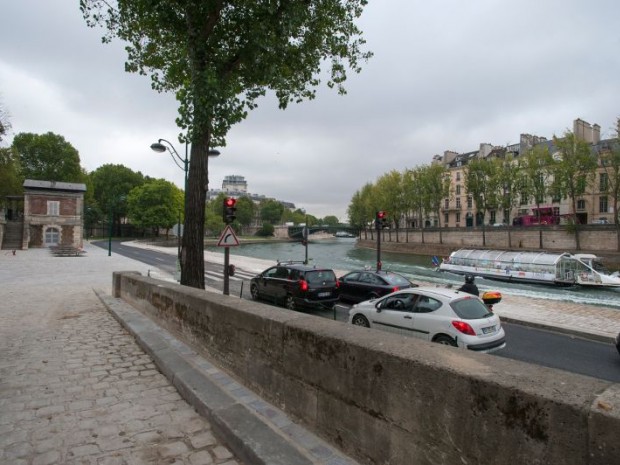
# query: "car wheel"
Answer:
x=445 y=340
x=290 y=302
x=360 y=320
x=254 y=291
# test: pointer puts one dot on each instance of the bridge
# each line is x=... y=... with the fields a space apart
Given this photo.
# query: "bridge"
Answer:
x=297 y=232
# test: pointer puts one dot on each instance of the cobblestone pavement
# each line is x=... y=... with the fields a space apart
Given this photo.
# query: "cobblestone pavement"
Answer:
x=75 y=388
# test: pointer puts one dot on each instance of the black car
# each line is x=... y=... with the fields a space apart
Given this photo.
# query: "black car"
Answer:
x=296 y=285
x=618 y=342
x=361 y=285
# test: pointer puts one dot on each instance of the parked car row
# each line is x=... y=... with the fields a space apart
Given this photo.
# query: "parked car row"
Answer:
x=388 y=301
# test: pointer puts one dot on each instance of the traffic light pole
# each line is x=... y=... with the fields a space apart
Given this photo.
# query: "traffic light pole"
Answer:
x=378 y=247
x=226 y=270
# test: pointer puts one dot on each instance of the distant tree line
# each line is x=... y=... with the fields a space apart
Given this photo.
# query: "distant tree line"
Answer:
x=115 y=192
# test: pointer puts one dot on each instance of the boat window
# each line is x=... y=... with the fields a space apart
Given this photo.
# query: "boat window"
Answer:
x=598 y=266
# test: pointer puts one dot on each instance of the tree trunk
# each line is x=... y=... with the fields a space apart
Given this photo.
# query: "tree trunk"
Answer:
x=192 y=254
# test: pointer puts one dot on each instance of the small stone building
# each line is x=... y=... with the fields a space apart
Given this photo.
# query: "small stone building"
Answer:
x=53 y=214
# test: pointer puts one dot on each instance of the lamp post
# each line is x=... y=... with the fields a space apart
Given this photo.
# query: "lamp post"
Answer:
x=163 y=145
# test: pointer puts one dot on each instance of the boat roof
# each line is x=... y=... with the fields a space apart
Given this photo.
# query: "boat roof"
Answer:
x=543 y=258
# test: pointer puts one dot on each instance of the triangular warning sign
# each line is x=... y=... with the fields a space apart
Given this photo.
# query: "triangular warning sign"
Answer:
x=228 y=238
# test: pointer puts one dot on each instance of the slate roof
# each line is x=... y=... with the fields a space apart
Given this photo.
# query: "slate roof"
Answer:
x=54 y=185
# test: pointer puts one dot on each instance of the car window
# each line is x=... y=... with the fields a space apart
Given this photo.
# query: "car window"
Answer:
x=352 y=277
x=399 y=302
x=396 y=280
x=365 y=278
x=294 y=275
x=271 y=272
x=426 y=304
x=320 y=276
x=470 y=308
x=281 y=273
x=374 y=279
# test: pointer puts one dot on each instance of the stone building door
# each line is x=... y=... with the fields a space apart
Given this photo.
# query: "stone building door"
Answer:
x=52 y=237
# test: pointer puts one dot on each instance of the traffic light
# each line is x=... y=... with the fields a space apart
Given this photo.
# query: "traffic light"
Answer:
x=381 y=219
x=229 y=209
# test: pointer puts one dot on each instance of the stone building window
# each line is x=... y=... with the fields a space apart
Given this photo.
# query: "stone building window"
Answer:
x=52 y=236
x=53 y=207
x=602 y=204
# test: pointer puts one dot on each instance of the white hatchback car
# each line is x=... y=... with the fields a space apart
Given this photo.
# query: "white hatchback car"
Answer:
x=440 y=315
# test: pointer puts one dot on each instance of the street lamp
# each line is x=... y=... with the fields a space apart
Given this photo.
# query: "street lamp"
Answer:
x=183 y=163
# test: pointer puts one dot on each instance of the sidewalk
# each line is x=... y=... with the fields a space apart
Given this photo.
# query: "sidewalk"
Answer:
x=76 y=388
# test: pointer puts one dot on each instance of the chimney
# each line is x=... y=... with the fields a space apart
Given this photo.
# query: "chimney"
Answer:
x=596 y=134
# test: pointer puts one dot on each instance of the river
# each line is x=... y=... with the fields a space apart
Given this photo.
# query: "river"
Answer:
x=342 y=254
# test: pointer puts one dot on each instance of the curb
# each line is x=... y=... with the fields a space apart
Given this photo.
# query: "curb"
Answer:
x=560 y=329
x=257 y=432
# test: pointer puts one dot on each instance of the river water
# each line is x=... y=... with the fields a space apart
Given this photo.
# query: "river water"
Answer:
x=342 y=254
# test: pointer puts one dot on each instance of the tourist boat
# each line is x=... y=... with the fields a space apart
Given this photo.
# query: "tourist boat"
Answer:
x=534 y=267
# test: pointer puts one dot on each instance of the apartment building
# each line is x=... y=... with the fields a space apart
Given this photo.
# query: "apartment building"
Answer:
x=459 y=210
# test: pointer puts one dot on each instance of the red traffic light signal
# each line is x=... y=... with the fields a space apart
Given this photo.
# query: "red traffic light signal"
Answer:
x=229 y=209
x=381 y=219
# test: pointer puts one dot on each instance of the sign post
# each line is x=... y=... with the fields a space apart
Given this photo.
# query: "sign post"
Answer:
x=227 y=239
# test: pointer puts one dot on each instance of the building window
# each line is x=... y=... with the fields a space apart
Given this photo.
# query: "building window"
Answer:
x=458 y=202
x=602 y=204
x=492 y=220
x=581 y=204
x=445 y=219
x=470 y=202
x=52 y=236
x=53 y=207
x=458 y=189
x=602 y=182
x=447 y=203
x=458 y=217
x=458 y=175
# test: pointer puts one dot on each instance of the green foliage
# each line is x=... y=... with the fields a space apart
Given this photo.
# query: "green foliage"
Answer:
x=246 y=211
x=482 y=183
x=266 y=230
x=11 y=180
x=271 y=211
x=219 y=57
x=330 y=220
x=111 y=185
x=156 y=204
x=47 y=157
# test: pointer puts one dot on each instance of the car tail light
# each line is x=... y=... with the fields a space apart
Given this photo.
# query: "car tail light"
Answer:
x=395 y=288
x=464 y=328
x=337 y=284
x=303 y=285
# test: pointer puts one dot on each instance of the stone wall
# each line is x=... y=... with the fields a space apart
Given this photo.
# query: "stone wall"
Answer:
x=386 y=399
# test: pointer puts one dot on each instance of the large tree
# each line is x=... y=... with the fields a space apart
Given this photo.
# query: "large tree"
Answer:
x=11 y=180
x=47 y=157
x=436 y=188
x=156 y=204
x=535 y=176
x=219 y=57
x=482 y=183
x=573 y=171
x=111 y=185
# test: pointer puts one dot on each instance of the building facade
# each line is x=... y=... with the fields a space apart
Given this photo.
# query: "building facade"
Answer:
x=459 y=210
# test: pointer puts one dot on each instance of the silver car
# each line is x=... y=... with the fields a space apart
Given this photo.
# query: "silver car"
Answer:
x=440 y=315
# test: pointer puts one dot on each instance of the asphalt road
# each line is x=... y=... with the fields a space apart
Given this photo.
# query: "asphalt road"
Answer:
x=545 y=348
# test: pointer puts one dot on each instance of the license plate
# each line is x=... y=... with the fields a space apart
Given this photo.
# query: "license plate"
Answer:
x=488 y=330
x=324 y=294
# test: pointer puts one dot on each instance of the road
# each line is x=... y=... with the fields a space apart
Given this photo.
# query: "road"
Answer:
x=555 y=350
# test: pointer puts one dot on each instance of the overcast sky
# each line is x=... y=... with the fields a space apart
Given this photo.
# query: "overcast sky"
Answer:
x=446 y=75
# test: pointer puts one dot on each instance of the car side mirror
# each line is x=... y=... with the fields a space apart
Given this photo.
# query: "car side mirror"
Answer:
x=379 y=306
